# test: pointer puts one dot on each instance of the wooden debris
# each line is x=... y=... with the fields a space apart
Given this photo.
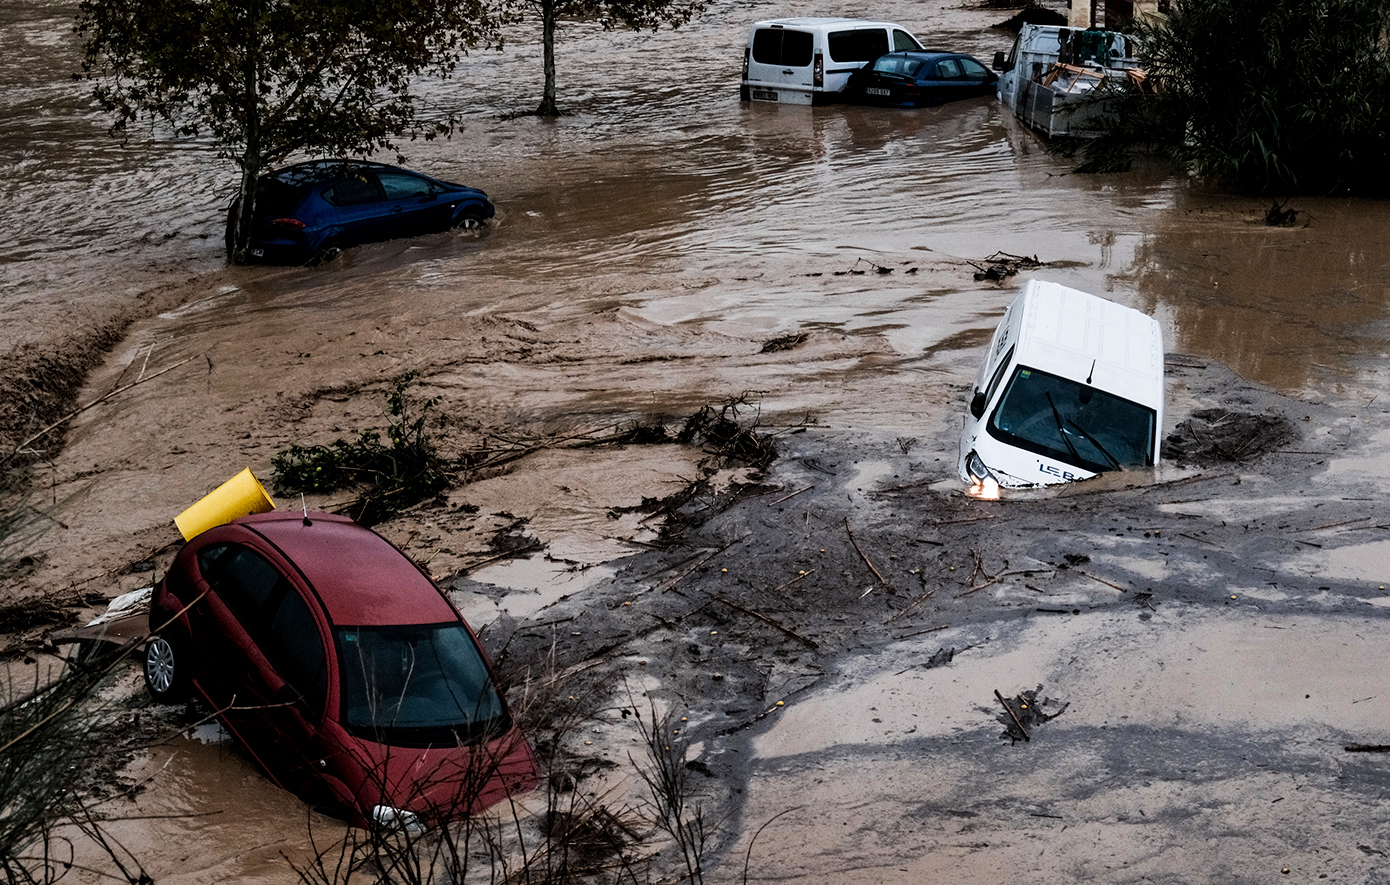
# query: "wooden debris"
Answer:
x=780 y=587
x=1101 y=580
x=913 y=604
x=862 y=555
x=765 y=619
x=1012 y=715
x=923 y=632
x=793 y=494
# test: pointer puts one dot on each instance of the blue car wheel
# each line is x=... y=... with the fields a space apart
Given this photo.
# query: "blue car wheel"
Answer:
x=470 y=218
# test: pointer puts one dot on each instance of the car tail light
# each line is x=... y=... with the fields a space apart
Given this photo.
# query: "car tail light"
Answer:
x=288 y=222
x=819 y=71
x=745 y=62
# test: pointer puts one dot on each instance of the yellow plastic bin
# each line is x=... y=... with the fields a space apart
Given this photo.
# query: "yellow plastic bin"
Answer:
x=241 y=495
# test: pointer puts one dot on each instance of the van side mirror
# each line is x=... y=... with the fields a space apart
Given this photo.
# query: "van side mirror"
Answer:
x=999 y=60
x=977 y=404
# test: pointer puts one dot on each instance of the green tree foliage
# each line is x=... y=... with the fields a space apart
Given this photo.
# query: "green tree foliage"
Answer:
x=1276 y=95
x=265 y=79
x=635 y=14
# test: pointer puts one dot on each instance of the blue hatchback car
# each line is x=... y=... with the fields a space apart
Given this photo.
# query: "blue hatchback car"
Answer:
x=309 y=212
x=913 y=79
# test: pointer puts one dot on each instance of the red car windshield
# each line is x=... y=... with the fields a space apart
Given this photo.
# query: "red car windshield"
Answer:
x=418 y=685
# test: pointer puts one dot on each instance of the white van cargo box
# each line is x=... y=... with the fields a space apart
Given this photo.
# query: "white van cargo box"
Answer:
x=809 y=60
x=1072 y=386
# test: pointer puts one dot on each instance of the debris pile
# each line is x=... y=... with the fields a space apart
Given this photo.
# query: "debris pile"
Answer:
x=721 y=435
x=786 y=342
x=1213 y=436
x=1022 y=712
x=1002 y=265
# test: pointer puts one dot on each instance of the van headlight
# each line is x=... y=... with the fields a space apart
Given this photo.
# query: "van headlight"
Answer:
x=975 y=466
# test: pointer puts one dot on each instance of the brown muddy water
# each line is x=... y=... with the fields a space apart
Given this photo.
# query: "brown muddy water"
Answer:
x=648 y=243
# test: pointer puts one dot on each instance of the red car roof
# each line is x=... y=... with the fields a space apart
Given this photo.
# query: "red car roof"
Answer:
x=361 y=578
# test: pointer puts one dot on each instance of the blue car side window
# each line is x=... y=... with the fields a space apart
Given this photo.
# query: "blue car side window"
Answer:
x=404 y=187
x=974 y=71
x=354 y=191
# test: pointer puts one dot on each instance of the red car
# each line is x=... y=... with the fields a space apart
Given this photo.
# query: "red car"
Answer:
x=339 y=665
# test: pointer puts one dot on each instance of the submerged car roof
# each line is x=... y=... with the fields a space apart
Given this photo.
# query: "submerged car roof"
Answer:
x=359 y=576
x=1079 y=335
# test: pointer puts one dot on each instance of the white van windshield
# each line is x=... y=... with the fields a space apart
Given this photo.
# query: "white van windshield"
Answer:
x=1073 y=422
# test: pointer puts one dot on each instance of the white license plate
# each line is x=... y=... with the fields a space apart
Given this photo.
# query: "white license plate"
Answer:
x=877 y=90
x=764 y=95
x=257 y=253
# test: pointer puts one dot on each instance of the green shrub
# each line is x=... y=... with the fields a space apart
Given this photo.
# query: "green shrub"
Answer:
x=1275 y=95
x=390 y=476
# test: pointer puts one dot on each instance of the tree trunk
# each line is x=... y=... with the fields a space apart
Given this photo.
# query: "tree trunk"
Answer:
x=241 y=215
x=548 y=107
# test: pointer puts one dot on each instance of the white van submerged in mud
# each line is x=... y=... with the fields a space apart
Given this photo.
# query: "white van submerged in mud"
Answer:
x=809 y=60
x=1072 y=386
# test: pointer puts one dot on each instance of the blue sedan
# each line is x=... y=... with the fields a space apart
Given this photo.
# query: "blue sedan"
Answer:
x=309 y=212
x=912 y=79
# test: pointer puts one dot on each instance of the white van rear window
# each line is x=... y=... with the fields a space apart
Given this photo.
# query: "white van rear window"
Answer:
x=778 y=46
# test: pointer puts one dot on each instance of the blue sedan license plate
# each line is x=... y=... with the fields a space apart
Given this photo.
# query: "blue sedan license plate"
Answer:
x=877 y=90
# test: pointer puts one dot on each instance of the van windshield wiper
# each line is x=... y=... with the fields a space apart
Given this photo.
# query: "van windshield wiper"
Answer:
x=1095 y=442
x=1061 y=428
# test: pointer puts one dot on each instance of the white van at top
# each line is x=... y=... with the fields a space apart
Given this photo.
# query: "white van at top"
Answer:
x=1072 y=386
x=809 y=60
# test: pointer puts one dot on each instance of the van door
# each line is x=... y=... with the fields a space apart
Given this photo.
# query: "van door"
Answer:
x=852 y=48
x=779 y=65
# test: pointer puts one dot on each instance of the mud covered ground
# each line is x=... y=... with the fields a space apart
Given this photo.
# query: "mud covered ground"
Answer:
x=838 y=642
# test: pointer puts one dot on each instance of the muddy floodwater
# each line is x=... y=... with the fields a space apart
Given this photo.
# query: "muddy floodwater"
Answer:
x=1216 y=632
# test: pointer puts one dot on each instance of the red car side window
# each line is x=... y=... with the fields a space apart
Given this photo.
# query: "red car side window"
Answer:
x=275 y=617
x=294 y=648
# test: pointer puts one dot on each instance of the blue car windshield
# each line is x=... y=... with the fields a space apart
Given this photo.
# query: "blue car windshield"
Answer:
x=418 y=685
x=1073 y=422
